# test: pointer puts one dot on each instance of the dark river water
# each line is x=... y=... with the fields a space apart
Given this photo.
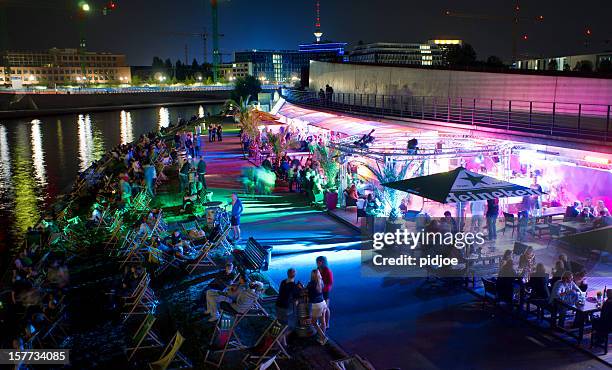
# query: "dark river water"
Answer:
x=40 y=157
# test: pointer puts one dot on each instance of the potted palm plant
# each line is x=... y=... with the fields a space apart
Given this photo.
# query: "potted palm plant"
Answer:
x=391 y=171
x=328 y=160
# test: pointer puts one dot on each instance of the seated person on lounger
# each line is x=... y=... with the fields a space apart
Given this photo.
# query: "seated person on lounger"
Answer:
x=243 y=301
x=351 y=193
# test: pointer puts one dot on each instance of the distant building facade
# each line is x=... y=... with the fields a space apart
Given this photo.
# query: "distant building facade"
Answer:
x=63 y=67
x=430 y=53
x=285 y=66
x=563 y=63
x=231 y=71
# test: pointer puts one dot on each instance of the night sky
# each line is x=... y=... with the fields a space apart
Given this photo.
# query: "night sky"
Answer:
x=141 y=28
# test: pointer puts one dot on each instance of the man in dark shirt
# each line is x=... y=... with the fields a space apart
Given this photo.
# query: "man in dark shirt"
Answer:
x=603 y=325
x=288 y=293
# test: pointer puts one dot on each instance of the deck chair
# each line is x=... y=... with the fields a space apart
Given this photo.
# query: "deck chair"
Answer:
x=203 y=259
x=55 y=331
x=267 y=347
x=135 y=252
x=171 y=355
x=189 y=226
x=162 y=259
x=354 y=362
x=142 y=304
x=145 y=337
x=222 y=341
x=115 y=233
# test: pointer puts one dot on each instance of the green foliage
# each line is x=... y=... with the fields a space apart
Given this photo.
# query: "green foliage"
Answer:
x=494 y=62
x=244 y=87
x=136 y=80
x=461 y=55
x=242 y=111
x=391 y=171
x=328 y=159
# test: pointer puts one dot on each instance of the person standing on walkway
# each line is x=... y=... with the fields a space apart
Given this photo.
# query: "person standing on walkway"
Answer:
x=477 y=209
x=492 y=212
x=184 y=177
x=150 y=175
x=202 y=172
x=318 y=307
x=328 y=282
x=288 y=293
x=219 y=133
x=213 y=131
x=235 y=219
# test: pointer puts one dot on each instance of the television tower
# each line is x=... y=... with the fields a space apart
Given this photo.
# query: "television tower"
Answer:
x=317 y=32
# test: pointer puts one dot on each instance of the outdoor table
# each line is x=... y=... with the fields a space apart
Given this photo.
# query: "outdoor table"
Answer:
x=213 y=204
x=552 y=211
x=488 y=261
x=577 y=226
x=582 y=311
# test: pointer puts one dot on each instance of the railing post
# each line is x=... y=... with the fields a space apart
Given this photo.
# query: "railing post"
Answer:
x=402 y=107
x=552 y=125
x=460 y=110
x=423 y=108
x=473 y=111
x=579 y=116
x=608 y=123
x=448 y=107
x=530 y=112
x=509 y=114
x=383 y=105
x=435 y=105
x=491 y=113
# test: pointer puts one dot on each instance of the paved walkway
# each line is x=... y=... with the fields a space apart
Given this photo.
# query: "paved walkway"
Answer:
x=395 y=323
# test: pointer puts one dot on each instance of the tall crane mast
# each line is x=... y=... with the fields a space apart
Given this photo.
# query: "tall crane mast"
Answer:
x=515 y=19
x=216 y=58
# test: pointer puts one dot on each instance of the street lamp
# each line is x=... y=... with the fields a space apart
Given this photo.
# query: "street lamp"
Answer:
x=85 y=6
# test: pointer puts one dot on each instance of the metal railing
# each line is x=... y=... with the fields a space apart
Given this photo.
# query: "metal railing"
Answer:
x=567 y=120
x=125 y=90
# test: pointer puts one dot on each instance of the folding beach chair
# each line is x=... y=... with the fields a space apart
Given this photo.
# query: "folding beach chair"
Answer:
x=190 y=226
x=163 y=260
x=222 y=341
x=55 y=332
x=135 y=251
x=171 y=355
x=354 y=362
x=143 y=303
x=267 y=347
x=145 y=337
x=203 y=259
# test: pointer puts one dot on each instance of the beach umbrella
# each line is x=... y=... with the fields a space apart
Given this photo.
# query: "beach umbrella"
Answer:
x=461 y=185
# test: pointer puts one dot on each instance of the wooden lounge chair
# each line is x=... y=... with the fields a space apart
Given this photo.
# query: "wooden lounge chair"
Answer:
x=144 y=337
x=171 y=355
x=354 y=362
x=203 y=259
x=267 y=347
x=222 y=341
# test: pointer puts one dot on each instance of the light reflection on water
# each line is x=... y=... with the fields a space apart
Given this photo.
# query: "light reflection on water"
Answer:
x=164 y=117
x=40 y=158
x=38 y=155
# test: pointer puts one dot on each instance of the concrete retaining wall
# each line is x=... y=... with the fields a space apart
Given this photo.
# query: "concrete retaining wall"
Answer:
x=366 y=79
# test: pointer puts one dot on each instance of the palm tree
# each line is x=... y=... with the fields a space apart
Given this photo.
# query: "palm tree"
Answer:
x=391 y=171
x=240 y=109
x=328 y=159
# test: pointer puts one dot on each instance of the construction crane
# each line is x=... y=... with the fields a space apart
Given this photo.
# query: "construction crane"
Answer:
x=216 y=52
x=515 y=19
x=201 y=35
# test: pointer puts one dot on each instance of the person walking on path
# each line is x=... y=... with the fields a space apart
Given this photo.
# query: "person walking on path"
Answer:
x=492 y=213
x=328 y=282
x=235 y=219
x=202 y=172
x=288 y=293
x=210 y=133
x=150 y=175
x=184 y=177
